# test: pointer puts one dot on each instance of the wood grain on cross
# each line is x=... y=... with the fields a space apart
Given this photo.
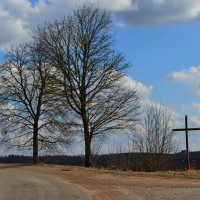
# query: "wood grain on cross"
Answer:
x=186 y=129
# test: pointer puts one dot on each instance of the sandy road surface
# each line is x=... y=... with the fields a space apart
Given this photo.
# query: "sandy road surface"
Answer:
x=16 y=184
x=107 y=186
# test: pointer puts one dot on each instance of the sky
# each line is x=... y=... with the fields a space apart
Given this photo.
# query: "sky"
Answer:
x=161 y=39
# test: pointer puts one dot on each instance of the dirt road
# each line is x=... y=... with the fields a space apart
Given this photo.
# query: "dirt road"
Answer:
x=105 y=185
x=16 y=184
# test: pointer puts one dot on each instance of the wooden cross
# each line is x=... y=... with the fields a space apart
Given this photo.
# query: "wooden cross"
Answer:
x=186 y=129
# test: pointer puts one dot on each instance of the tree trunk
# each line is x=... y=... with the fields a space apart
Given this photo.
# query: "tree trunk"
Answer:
x=87 y=143
x=87 y=135
x=35 y=143
x=87 y=152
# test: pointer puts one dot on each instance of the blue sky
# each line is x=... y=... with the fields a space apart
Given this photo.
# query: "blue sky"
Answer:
x=157 y=52
x=161 y=38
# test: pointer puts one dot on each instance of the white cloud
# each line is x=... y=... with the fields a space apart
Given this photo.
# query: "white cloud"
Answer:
x=190 y=76
x=144 y=91
x=196 y=106
x=13 y=21
x=115 y=5
x=194 y=121
x=18 y=17
x=156 y=12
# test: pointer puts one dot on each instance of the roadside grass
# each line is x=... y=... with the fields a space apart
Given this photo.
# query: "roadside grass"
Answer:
x=6 y=166
x=191 y=174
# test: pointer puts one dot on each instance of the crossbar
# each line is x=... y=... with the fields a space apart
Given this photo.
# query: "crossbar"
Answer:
x=189 y=129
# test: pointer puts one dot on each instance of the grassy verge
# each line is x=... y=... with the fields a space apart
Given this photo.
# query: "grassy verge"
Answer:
x=191 y=174
x=5 y=166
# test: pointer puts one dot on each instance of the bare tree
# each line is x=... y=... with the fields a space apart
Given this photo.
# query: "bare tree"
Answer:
x=30 y=105
x=155 y=134
x=81 y=48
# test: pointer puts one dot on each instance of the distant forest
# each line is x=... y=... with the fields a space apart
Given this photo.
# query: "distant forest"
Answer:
x=122 y=161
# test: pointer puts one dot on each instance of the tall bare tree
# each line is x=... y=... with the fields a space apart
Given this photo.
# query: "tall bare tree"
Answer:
x=30 y=105
x=91 y=73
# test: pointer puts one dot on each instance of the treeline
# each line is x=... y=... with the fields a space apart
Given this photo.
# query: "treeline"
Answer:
x=57 y=159
x=122 y=161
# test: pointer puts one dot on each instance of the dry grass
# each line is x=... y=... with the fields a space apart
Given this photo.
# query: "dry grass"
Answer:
x=192 y=174
x=5 y=166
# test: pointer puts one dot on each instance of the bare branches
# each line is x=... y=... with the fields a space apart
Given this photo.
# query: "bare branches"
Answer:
x=156 y=130
x=70 y=67
x=29 y=96
x=80 y=47
x=155 y=135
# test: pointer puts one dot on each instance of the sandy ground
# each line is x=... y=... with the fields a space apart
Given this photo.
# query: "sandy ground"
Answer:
x=105 y=185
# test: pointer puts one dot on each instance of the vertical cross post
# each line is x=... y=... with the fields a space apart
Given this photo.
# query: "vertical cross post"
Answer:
x=187 y=144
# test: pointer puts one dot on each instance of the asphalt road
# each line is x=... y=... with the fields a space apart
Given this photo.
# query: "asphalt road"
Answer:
x=16 y=184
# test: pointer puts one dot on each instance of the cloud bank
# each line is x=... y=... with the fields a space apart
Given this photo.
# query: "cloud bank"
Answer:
x=18 y=17
x=157 y=12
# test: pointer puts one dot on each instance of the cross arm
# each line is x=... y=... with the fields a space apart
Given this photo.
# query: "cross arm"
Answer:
x=189 y=129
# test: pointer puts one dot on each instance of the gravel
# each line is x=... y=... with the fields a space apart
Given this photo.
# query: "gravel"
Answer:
x=141 y=193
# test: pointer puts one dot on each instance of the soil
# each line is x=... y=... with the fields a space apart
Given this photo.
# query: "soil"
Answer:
x=106 y=185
